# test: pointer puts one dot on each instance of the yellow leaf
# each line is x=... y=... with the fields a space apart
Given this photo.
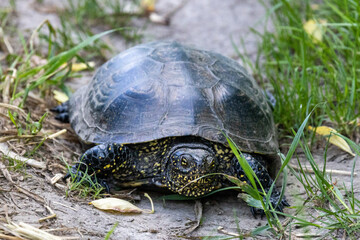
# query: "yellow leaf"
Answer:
x=334 y=139
x=148 y=5
x=315 y=29
x=116 y=204
x=77 y=67
x=60 y=96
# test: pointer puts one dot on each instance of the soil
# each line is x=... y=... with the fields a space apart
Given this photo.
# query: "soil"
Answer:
x=213 y=26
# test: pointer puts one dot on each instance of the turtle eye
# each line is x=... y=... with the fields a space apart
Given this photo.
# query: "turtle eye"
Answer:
x=184 y=162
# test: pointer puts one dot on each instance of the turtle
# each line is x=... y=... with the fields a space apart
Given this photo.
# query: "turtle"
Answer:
x=160 y=114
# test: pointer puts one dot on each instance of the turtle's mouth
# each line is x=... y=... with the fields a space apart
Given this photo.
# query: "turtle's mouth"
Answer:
x=192 y=186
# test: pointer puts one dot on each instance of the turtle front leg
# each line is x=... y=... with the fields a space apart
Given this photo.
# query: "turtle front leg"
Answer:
x=102 y=161
x=256 y=163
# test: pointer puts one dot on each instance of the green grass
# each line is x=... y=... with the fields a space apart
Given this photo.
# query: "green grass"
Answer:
x=320 y=77
x=302 y=72
x=84 y=186
x=328 y=208
x=82 y=18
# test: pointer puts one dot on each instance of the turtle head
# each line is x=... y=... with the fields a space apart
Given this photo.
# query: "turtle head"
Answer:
x=188 y=167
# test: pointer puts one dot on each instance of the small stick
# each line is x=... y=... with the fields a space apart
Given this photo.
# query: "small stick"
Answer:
x=52 y=214
x=30 y=194
x=56 y=178
x=56 y=134
x=221 y=230
x=308 y=169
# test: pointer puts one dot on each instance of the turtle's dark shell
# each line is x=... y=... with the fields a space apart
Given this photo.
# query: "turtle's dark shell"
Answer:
x=164 y=89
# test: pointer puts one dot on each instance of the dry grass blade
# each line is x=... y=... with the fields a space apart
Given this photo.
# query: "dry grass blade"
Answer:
x=7 y=237
x=15 y=108
x=308 y=169
x=8 y=138
x=29 y=161
x=6 y=173
x=30 y=232
x=7 y=83
x=30 y=194
x=6 y=42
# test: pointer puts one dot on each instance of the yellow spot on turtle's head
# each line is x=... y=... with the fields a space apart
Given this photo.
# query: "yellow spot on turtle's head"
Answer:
x=107 y=166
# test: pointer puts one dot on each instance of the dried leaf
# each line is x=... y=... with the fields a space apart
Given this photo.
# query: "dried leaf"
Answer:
x=116 y=204
x=60 y=96
x=148 y=5
x=334 y=139
x=77 y=67
x=315 y=29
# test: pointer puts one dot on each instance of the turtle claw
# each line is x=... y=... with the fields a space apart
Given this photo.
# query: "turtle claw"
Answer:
x=63 y=117
x=64 y=107
x=63 y=112
x=257 y=211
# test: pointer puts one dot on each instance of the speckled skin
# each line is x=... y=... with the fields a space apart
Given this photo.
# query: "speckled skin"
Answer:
x=184 y=165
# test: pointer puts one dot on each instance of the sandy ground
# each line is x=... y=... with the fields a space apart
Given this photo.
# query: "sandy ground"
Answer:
x=211 y=26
